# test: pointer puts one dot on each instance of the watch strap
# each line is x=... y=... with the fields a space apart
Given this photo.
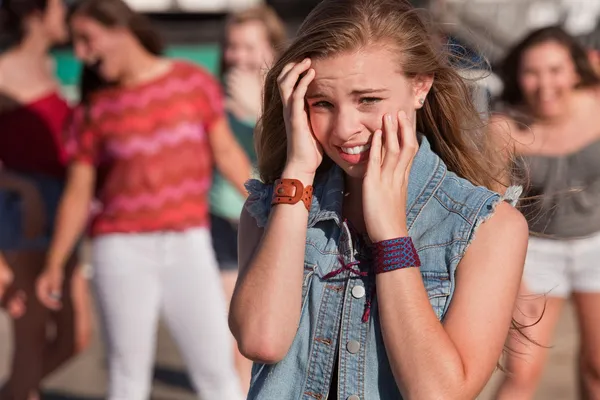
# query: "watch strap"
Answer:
x=291 y=191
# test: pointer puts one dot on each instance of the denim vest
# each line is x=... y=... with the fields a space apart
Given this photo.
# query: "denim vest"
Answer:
x=443 y=212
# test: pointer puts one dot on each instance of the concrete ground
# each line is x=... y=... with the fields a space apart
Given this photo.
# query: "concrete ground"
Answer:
x=85 y=377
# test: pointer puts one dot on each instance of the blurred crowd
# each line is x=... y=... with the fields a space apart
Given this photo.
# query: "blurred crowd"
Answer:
x=149 y=167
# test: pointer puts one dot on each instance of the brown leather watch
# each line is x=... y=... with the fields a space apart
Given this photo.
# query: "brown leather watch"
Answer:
x=291 y=191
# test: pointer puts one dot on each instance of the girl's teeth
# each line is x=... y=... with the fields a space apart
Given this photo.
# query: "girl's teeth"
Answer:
x=356 y=149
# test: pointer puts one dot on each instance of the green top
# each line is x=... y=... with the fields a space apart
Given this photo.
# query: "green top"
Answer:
x=225 y=200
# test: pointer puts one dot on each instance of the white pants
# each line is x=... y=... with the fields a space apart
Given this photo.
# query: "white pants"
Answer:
x=558 y=268
x=139 y=276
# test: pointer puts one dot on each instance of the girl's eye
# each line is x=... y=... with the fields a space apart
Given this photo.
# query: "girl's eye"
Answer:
x=370 y=100
x=322 y=104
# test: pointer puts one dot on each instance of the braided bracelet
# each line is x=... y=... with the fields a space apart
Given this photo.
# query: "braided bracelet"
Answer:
x=395 y=254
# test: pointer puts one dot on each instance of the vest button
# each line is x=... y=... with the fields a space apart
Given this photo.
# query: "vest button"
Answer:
x=358 y=292
x=353 y=346
x=353 y=397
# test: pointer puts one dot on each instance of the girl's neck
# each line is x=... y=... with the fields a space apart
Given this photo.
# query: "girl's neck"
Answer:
x=33 y=46
x=559 y=119
x=143 y=67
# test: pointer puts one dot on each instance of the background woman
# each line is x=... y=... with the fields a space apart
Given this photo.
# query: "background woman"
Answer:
x=32 y=176
x=144 y=141
x=252 y=40
x=553 y=102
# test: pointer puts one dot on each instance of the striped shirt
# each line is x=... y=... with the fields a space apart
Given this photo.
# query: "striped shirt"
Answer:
x=150 y=148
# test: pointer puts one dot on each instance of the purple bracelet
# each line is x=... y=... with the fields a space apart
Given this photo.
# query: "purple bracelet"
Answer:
x=395 y=254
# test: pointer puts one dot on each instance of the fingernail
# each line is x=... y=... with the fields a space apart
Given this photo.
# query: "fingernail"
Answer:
x=306 y=60
x=388 y=117
x=401 y=114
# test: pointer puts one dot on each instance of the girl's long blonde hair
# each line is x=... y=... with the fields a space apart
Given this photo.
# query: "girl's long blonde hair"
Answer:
x=448 y=118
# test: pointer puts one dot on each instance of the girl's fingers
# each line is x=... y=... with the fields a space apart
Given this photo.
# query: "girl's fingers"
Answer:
x=392 y=146
x=300 y=92
x=374 y=163
x=284 y=71
x=410 y=144
x=289 y=77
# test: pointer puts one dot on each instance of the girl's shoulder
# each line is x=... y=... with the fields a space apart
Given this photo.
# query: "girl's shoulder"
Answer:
x=511 y=131
x=588 y=100
x=459 y=196
x=24 y=82
x=509 y=122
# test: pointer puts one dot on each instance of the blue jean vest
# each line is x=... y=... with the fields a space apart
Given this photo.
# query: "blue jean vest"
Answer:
x=443 y=212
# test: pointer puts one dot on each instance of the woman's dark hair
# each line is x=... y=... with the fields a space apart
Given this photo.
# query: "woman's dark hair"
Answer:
x=112 y=14
x=509 y=69
x=14 y=12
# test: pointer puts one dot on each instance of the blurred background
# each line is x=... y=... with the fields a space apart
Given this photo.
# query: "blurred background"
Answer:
x=192 y=29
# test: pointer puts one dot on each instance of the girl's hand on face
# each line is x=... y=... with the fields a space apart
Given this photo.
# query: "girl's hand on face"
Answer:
x=385 y=186
x=304 y=153
x=244 y=93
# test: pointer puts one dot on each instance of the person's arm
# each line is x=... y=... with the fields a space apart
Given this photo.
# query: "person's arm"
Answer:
x=503 y=131
x=70 y=223
x=266 y=305
x=229 y=157
x=6 y=275
x=463 y=351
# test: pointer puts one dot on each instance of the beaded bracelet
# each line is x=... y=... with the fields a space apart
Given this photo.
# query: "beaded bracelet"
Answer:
x=395 y=254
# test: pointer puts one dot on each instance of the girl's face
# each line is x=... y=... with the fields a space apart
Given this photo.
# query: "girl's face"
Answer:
x=53 y=22
x=547 y=77
x=248 y=47
x=100 y=47
x=349 y=96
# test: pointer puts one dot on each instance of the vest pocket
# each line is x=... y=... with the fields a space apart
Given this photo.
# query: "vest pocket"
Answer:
x=437 y=285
